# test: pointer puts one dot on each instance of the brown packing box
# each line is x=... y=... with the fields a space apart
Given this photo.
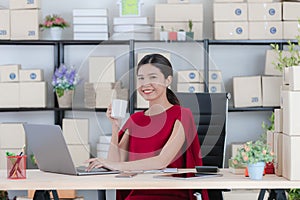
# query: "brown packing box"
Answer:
x=271 y=90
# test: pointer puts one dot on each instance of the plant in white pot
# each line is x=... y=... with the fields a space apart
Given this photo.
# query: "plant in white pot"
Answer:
x=64 y=81
x=255 y=155
x=288 y=62
x=163 y=34
x=55 y=24
x=181 y=35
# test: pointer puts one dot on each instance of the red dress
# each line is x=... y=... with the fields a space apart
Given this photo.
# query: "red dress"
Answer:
x=148 y=135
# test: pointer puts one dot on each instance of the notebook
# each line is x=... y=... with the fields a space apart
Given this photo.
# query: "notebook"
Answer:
x=51 y=152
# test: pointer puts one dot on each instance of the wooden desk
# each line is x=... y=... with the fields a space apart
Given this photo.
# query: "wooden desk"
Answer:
x=49 y=181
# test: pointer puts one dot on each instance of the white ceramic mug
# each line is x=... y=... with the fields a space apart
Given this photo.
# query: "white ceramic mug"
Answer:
x=119 y=108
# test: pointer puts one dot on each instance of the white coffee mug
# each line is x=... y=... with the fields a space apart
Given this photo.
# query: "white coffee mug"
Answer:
x=119 y=108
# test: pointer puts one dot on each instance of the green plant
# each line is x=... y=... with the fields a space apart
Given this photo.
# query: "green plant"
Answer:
x=3 y=195
x=294 y=194
x=291 y=58
x=54 y=21
x=162 y=28
x=64 y=78
x=190 y=25
x=253 y=152
x=267 y=127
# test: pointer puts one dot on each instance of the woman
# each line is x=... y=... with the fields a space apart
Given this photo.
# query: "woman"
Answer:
x=162 y=136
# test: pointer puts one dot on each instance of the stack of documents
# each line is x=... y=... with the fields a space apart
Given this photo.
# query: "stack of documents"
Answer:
x=137 y=28
x=90 y=24
x=89 y=95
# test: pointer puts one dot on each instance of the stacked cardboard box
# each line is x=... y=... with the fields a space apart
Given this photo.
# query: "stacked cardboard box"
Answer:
x=4 y=24
x=76 y=134
x=230 y=20
x=103 y=145
x=90 y=24
x=25 y=18
x=176 y=15
x=22 y=87
x=290 y=17
x=192 y=81
x=12 y=139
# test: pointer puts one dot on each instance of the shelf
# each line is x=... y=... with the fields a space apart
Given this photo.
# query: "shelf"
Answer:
x=28 y=42
x=25 y=109
x=231 y=109
x=247 y=42
x=81 y=109
x=95 y=42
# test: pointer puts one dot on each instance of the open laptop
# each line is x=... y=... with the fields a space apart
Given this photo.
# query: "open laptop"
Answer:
x=51 y=152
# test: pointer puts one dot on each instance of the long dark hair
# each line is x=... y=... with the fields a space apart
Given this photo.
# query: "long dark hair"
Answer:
x=164 y=65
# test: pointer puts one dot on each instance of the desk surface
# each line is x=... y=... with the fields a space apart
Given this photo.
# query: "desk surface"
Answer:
x=42 y=180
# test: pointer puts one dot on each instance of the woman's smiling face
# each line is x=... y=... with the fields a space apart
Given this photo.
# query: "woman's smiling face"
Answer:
x=151 y=83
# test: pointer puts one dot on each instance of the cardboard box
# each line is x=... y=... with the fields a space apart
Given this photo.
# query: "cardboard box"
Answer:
x=270 y=139
x=290 y=30
x=215 y=76
x=294 y=76
x=104 y=138
x=190 y=87
x=9 y=73
x=11 y=97
x=178 y=12
x=29 y=75
x=271 y=90
x=102 y=69
x=4 y=24
x=259 y=1
x=290 y=11
x=265 y=30
x=33 y=94
x=230 y=12
x=264 y=11
x=76 y=131
x=25 y=24
x=215 y=87
x=103 y=147
x=141 y=102
x=104 y=97
x=290 y=157
x=197 y=28
x=278 y=124
x=271 y=62
x=90 y=20
x=234 y=148
x=283 y=89
x=190 y=76
x=79 y=153
x=12 y=135
x=278 y=142
x=231 y=30
x=291 y=114
x=3 y=161
x=90 y=12
x=24 y=4
x=228 y=1
x=247 y=91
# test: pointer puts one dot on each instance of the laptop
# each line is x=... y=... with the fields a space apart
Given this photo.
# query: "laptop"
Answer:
x=48 y=145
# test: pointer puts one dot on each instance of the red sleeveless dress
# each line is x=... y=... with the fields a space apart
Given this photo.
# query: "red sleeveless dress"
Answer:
x=148 y=135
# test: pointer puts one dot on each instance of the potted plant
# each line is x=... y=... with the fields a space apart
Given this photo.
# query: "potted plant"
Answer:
x=163 y=35
x=172 y=35
x=190 y=33
x=55 y=24
x=3 y=195
x=181 y=36
x=294 y=194
x=64 y=81
x=288 y=62
x=255 y=155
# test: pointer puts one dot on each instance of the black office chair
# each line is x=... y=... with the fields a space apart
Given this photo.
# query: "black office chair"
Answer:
x=210 y=113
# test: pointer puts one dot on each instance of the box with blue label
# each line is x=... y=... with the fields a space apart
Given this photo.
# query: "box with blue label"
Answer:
x=230 y=12
x=190 y=87
x=190 y=76
x=25 y=24
x=265 y=30
x=9 y=73
x=4 y=24
x=264 y=11
x=11 y=97
x=215 y=76
x=24 y=4
x=30 y=75
x=247 y=91
x=231 y=30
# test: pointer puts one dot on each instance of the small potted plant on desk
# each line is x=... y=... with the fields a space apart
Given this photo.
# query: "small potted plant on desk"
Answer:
x=255 y=155
x=190 y=33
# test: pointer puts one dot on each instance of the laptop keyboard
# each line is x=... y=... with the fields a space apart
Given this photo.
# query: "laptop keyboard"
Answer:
x=83 y=169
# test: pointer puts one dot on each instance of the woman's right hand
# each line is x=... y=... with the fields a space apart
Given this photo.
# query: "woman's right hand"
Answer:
x=113 y=120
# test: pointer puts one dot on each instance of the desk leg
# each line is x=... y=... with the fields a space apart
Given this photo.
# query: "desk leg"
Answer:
x=101 y=194
x=54 y=194
x=262 y=194
x=277 y=194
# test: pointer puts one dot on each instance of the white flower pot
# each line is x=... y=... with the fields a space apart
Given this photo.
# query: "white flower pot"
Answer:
x=164 y=35
x=181 y=36
x=56 y=33
x=294 y=76
x=256 y=170
x=286 y=77
x=66 y=100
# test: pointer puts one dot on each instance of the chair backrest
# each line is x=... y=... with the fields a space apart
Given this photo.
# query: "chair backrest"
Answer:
x=210 y=113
